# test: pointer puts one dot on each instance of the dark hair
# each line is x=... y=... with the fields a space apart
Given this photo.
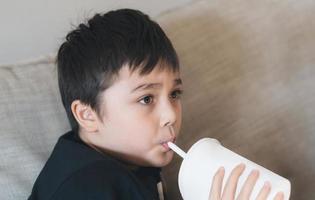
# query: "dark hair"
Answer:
x=94 y=52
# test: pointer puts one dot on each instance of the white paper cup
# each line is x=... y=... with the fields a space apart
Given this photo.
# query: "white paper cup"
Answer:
x=203 y=160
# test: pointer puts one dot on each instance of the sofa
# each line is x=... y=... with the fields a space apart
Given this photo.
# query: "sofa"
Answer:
x=248 y=69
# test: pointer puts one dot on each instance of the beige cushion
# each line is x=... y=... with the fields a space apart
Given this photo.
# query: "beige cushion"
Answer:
x=31 y=119
x=249 y=73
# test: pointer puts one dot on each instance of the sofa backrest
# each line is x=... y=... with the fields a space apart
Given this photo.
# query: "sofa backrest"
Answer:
x=31 y=120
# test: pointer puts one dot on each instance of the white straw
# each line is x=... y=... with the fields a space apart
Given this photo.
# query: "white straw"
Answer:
x=176 y=149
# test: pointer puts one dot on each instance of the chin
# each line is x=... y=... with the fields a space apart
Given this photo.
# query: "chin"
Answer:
x=163 y=160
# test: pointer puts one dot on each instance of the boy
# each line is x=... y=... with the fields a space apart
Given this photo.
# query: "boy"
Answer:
x=119 y=82
x=120 y=85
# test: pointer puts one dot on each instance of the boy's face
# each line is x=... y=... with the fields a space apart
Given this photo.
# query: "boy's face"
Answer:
x=140 y=115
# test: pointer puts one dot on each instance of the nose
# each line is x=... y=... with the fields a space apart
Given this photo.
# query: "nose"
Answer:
x=168 y=114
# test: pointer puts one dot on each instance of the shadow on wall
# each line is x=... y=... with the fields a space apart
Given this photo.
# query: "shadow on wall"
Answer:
x=249 y=81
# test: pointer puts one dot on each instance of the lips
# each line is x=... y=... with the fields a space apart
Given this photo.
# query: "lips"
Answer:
x=165 y=145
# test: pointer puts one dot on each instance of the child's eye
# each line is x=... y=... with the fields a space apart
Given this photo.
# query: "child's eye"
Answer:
x=146 y=100
x=176 y=94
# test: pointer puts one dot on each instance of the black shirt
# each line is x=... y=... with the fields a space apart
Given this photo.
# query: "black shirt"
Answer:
x=76 y=171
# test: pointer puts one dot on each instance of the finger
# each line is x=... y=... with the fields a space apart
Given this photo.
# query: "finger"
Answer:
x=279 y=196
x=230 y=186
x=249 y=185
x=215 y=192
x=264 y=192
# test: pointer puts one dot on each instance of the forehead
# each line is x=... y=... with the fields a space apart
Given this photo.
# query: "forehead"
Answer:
x=158 y=74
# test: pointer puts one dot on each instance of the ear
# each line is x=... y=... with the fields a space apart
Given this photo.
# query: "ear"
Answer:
x=85 y=116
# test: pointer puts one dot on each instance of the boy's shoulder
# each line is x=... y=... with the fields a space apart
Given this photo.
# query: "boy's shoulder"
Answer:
x=75 y=170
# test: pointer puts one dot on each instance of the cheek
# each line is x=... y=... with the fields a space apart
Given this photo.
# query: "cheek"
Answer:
x=142 y=125
x=179 y=110
x=179 y=118
x=136 y=123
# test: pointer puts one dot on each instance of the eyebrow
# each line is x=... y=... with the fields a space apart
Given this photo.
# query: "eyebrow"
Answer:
x=146 y=86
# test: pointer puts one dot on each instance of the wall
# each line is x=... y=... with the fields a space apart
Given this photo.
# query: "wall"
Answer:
x=33 y=28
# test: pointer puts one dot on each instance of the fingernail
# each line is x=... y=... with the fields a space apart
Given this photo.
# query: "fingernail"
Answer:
x=221 y=169
x=280 y=194
x=242 y=166
x=267 y=184
x=255 y=172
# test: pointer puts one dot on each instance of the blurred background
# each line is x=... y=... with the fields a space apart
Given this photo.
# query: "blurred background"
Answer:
x=248 y=68
x=30 y=29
